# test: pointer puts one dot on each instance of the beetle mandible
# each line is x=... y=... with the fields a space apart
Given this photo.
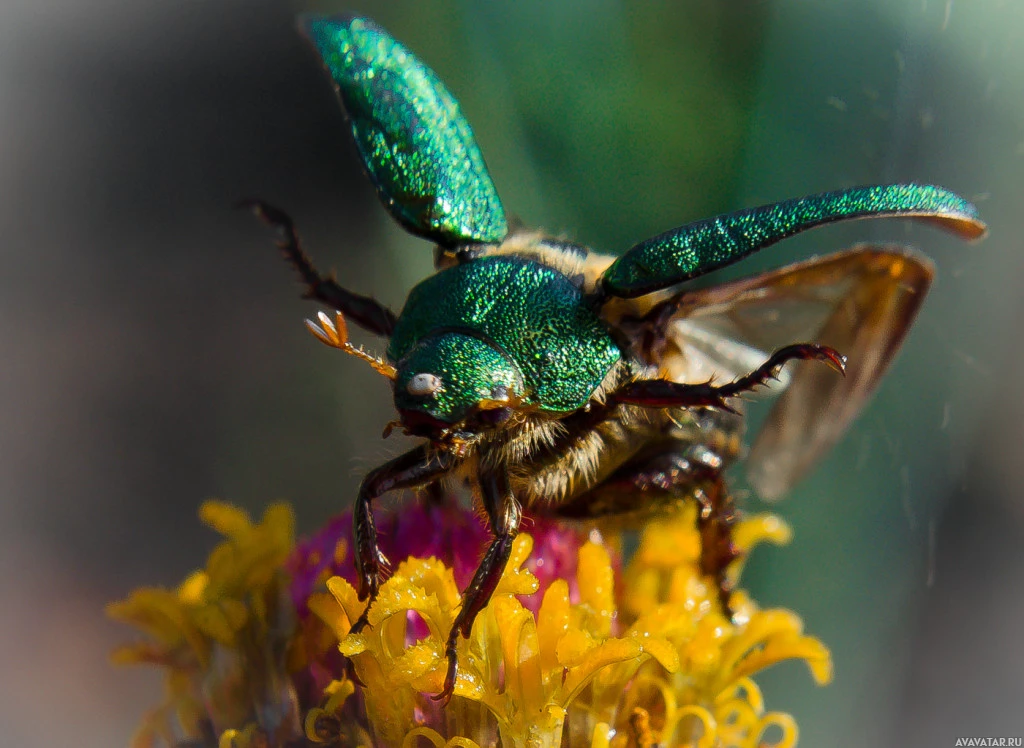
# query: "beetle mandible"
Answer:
x=557 y=380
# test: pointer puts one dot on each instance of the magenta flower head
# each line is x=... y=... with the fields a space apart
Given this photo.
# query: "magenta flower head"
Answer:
x=423 y=529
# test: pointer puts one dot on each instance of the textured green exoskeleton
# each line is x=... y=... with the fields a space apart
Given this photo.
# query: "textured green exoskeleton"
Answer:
x=535 y=315
x=698 y=248
x=560 y=381
x=415 y=144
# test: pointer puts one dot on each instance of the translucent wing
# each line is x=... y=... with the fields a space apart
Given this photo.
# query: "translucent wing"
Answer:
x=698 y=248
x=861 y=302
x=416 y=146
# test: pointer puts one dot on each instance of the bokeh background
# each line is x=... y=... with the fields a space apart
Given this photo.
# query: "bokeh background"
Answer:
x=153 y=353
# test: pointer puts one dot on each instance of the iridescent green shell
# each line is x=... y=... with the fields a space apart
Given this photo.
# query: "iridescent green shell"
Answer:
x=470 y=369
x=416 y=146
x=698 y=248
x=532 y=313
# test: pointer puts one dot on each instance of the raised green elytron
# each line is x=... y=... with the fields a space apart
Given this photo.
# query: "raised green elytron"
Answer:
x=554 y=380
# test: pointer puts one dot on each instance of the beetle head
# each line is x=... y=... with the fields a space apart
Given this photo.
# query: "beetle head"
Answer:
x=453 y=382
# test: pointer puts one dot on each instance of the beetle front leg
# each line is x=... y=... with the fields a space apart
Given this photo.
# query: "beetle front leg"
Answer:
x=415 y=468
x=365 y=311
x=505 y=515
x=664 y=393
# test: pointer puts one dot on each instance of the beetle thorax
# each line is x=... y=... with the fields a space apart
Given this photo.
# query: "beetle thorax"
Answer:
x=499 y=323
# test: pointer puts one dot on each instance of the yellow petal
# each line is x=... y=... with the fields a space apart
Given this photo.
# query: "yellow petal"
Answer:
x=520 y=654
x=642 y=589
x=516 y=580
x=703 y=652
x=192 y=590
x=156 y=611
x=314 y=725
x=661 y=650
x=436 y=740
x=546 y=730
x=425 y=586
x=685 y=719
x=354 y=644
x=279 y=523
x=398 y=596
x=759 y=528
x=603 y=655
x=327 y=608
x=227 y=519
x=414 y=662
x=221 y=620
x=337 y=692
x=411 y=739
x=782 y=722
x=772 y=636
x=597 y=586
x=141 y=654
x=671 y=620
x=160 y=614
x=669 y=544
x=552 y=622
x=573 y=646
x=347 y=597
x=602 y=736
x=807 y=648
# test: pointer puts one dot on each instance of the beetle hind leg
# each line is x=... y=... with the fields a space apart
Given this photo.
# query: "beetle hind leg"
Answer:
x=659 y=482
x=715 y=521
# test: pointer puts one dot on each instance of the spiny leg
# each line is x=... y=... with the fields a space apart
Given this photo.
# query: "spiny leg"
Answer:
x=715 y=522
x=663 y=393
x=366 y=312
x=505 y=515
x=415 y=468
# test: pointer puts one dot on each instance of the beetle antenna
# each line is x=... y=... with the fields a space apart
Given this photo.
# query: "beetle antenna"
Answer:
x=335 y=334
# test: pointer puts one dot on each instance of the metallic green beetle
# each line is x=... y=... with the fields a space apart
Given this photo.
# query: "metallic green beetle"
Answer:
x=560 y=381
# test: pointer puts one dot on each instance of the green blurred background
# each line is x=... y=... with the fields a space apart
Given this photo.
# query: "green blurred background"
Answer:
x=154 y=354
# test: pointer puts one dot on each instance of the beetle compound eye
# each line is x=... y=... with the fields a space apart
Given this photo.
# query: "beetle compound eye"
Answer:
x=423 y=385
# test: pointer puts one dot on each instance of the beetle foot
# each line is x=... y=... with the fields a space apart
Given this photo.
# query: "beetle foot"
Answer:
x=453 y=668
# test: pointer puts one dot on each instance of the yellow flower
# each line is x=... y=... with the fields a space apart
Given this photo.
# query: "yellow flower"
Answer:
x=646 y=658
x=524 y=671
x=224 y=634
x=664 y=665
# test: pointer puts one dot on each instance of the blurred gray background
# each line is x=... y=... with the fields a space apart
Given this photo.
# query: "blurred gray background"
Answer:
x=154 y=356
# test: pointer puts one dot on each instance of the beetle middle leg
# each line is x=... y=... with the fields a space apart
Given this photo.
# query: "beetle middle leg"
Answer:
x=664 y=393
x=414 y=468
x=505 y=514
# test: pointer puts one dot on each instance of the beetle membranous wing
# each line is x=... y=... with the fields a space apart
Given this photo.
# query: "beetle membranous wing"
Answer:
x=861 y=302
